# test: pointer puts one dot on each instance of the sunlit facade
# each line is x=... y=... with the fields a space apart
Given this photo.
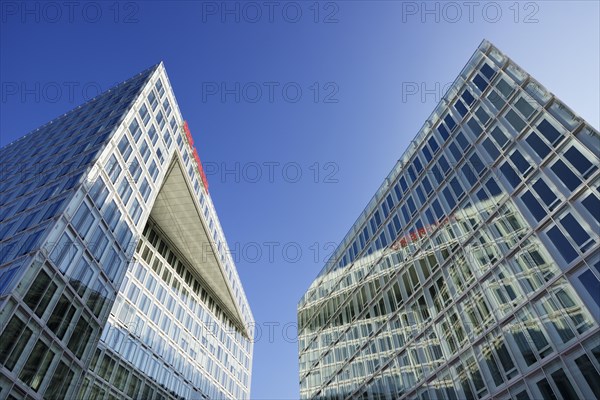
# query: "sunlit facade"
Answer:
x=115 y=277
x=474 y=272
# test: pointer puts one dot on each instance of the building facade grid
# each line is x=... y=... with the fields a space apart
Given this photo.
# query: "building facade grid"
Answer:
x=82 y=189
x=474 y=271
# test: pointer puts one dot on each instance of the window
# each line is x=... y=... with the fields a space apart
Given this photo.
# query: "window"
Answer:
x=134 y=129
x=444 y=164
x=124 y=236
x=545 y=389
x=411 y=173
x=592 y=204
x=482 y=115
x=504 y=87
x=30 y=243
x=153 y=134
x=145 y=151
x=417 y=164
x=40 y=293
x=545 y=193
x=98 y=192
x=591 y=284
x=462 y=141
x=533 y=205
x=167 y=138
x=6 y=276
x=145 y=189
x=53 y=209
x=565 y=174
x=427 y=185
x=477 y=164
x=411 y=205
x=83 y=220
x=61 y=317
x=480 y=82
x=80 y=337
x=433 y=145
x=561 y=243
x=487 y=71
x=509 y=173
x=135 y=211
x=538 y=145
x=492 y=150
x=160 y=118
x=467 y=97
x=576 y=232
x=64 y=252
x=113 y=169
x=524 y=107
x=125 y=191
x=460 y=107
x=167 y=106
x=135 y=170
x=469 y=175
x=475 y=127
x=443 y=132
x=580 y=162
x=144 y=114
x=124 y=147
x=564 y=384
x=98 y=243
x=152 y=99
x=48 y=193
x=449 y=198
x=493 y=188
x=36 y=366
x=587 y=368
x=499 y=137
x=13 y=342
x=113 y=264
x=520 y=162
x=457 y=188
x=153 y=170
x=515 y=121
x=496 y=100
x=112 y=215
x=159 y=86
x=549 y=132
x=450 y=122
x=60 y=382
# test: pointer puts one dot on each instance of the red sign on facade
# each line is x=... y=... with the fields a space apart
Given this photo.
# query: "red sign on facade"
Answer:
x=190 y=140
x=416 y=234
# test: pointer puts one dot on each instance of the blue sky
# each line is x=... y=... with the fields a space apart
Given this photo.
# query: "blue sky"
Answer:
x=298 y=109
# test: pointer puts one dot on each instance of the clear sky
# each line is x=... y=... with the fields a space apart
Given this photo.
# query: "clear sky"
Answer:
x=298 y=109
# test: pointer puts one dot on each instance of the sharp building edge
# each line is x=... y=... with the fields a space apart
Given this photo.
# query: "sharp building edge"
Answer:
x=115 y=276
x=474 y=271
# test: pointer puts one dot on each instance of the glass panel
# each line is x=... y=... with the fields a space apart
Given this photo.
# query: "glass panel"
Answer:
x=565 y=174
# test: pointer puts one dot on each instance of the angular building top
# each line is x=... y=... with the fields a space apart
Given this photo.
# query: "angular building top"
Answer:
x=474 y=271
x=346 y=253
x=112 y=257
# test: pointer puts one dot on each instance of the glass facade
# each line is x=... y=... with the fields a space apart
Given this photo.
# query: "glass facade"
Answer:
x=102 y=293
x=474 y=272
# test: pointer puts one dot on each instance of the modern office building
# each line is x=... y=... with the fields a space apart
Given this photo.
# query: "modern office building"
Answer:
x=474 y=271
x=115 y=277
